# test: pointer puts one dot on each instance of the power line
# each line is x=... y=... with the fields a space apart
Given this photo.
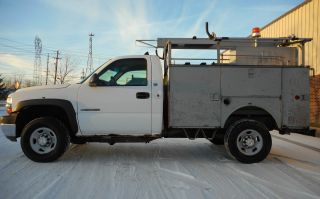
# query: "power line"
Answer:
x=13 y=47
x=30 y=75
x=51 y=49
x=44 y=48
x=24 y=44
x=18 y=42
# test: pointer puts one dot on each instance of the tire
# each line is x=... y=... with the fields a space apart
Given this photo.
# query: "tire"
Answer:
x=219 y=137
x=44 y=139
x=248 y=141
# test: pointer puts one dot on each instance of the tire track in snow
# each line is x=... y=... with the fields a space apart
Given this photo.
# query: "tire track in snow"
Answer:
x=36 y=178
x=295 y=159
x=272 y=185
x=171 y=168
x=305 y=181
x=298 y=143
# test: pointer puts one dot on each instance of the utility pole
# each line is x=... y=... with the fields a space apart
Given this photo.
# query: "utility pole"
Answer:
x=47 y=71
x=89 y=68
x=56 y=67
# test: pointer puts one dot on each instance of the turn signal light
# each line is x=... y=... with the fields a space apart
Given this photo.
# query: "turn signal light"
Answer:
x=9 y=105
x=9 y=110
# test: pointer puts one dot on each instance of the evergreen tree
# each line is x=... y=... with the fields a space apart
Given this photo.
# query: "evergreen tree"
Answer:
x=3 y=89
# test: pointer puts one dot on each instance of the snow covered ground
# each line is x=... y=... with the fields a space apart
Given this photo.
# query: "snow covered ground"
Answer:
x=166 y=168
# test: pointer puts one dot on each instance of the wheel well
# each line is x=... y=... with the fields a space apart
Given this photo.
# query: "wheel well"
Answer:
x=252 y=112
x=30 y=113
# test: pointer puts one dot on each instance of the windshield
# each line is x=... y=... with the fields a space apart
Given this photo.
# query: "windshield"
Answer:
x=92 y=72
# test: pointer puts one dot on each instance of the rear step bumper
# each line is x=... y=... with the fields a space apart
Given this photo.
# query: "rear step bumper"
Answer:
x=305 y=131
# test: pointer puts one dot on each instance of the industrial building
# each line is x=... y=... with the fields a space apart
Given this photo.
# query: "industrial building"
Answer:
x=303 y=21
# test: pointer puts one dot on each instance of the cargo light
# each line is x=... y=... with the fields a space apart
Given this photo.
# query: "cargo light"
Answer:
x=256 y=32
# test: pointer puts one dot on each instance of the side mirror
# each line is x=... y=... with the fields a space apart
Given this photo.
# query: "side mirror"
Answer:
x=94 y=80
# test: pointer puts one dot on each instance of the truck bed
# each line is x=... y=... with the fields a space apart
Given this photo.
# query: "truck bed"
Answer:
x=204 y=96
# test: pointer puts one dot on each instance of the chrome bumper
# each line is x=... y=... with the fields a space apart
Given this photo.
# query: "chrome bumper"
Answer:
x=9 y=130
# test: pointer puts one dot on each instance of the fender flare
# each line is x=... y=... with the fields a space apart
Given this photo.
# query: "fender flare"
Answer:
x=244 y=108
x=61 y=103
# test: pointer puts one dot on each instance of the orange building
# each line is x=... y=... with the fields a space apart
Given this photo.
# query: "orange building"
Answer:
x=303 y=21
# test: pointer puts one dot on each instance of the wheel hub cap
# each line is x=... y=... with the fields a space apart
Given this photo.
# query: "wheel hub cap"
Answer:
x=43 y=140
x=249 y=142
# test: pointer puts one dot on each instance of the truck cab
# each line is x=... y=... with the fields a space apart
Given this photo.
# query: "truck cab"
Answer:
x=123 y=97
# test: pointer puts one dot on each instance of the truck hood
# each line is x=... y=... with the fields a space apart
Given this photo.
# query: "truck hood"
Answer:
x=34 y=88
x=64 y=91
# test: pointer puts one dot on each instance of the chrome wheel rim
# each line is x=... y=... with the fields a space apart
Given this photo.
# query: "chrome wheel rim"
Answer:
x=43 y=140
x=249 y=142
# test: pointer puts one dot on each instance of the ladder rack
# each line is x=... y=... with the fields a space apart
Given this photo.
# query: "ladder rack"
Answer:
x=228 y=42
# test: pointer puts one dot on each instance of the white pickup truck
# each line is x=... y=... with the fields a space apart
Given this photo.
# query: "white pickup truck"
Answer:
x=233 y=101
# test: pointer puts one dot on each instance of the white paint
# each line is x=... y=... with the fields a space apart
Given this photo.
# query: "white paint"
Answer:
x=118 y=109
x=157 y=95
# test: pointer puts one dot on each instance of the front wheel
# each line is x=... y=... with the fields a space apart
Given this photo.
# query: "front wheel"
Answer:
x=248 y=141
x=44 y=139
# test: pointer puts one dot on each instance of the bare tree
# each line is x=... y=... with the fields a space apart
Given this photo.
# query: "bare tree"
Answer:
x=65 y=70
x=18 y=78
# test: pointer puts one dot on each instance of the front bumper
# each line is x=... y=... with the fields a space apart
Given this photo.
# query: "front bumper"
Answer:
x=8 y=126
x=9 y=130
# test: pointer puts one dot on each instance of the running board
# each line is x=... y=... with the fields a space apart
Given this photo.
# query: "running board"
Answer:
x=112 y=139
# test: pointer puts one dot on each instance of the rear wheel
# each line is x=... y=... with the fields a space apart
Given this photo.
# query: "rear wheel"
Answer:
x=248 y=141
x=44 y=139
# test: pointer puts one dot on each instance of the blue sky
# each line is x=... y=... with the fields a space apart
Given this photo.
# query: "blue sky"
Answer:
x=65 y=24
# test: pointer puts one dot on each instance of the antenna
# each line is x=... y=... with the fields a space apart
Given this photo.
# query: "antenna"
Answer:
x=89 y=68
x=37 y=61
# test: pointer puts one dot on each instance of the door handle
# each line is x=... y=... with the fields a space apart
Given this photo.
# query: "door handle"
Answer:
x=142 y=95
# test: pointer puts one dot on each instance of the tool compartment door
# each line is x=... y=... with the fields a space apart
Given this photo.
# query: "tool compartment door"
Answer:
x=194 y=96
x=295 y=97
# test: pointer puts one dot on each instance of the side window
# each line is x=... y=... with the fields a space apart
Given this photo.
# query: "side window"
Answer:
x=125 y=72
x=133 y=78
x=107 y=75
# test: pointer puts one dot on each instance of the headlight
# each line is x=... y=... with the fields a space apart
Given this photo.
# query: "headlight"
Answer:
x=9 y=105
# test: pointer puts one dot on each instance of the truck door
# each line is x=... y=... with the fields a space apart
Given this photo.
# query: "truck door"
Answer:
x=121 y=102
